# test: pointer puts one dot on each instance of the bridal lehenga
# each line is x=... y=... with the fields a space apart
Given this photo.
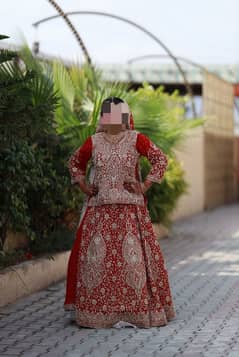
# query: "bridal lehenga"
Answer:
x=116 y=270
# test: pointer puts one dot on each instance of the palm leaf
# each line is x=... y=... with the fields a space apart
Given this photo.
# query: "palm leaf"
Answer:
x=63 y=83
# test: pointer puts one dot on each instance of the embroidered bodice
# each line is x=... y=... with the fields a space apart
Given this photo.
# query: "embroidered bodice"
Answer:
x=114 y=163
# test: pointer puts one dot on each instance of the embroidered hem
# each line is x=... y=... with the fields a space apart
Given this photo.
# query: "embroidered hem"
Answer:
x=105 y=320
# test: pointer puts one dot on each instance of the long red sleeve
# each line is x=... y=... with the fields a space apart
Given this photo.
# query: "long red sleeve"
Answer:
x=77 y=163
x=155 y=155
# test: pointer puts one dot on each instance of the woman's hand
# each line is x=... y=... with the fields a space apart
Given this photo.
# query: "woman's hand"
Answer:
x=133 y=187
x=137 y=187
x=88 y=189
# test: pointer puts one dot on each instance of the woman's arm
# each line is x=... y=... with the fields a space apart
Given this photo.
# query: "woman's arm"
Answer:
x=77 y=165
x=157 y=158
x=78 y=161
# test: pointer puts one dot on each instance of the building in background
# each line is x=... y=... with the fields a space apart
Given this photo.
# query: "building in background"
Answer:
x=168 y=75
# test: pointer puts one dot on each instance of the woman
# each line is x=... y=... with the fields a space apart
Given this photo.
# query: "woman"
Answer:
x=116 y=270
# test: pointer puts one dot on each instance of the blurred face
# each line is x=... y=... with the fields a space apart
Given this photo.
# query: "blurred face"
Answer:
x=114 y=127
x=115 y=114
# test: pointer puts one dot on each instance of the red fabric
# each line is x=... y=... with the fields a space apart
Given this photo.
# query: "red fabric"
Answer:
x=117 y=271
x=72 y=268
x=142 y=144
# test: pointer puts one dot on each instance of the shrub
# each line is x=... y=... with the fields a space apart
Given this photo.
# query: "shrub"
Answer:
x=35 y=185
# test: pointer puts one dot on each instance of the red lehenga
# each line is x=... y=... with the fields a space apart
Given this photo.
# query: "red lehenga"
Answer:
x=116 y=270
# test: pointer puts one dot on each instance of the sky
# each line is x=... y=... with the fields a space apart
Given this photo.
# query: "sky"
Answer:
x=205 y=31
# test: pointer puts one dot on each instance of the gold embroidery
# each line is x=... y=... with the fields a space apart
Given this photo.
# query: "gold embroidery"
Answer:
x=134 y=272
x=140 y=319
x=120 y=294
x=113 y=165
x=93 y=269
x=159 y=163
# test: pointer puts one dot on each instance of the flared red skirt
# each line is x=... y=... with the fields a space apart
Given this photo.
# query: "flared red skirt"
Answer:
x=116 y=270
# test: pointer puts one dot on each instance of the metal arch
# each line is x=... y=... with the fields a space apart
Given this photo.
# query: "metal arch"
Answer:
x=141 y=28
x=72 y=28
x=183 y=59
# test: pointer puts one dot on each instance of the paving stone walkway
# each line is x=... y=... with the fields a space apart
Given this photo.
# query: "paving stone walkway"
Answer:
x=202 y=257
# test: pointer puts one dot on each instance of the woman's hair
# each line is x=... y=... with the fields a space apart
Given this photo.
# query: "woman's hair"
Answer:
x=114 y=100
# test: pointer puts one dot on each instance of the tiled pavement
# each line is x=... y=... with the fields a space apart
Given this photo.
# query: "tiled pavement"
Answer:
x=202 y=257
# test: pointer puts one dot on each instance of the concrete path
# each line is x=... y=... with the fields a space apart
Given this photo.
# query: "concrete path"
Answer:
x=202 y=257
